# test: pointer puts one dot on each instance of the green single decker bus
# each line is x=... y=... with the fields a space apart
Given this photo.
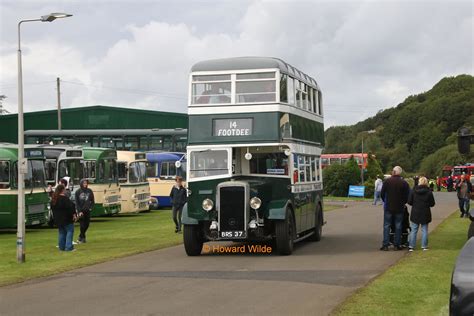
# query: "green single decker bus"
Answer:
x=254 y=144
x=36 y=197
x=100 y=169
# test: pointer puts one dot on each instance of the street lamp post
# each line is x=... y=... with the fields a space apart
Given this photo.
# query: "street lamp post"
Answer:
x=22 y=166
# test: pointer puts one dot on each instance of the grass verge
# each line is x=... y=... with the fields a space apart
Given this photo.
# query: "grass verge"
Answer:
x=108 y=238
x=418 y=284
x=331 y=198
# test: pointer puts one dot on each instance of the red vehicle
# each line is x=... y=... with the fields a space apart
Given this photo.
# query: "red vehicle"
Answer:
x=467 y=169
x=445 y=173
x=331 y=159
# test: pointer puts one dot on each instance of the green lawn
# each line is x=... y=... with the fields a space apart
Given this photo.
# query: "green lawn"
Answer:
x=330 y=198
x=420 y=283
x=108 y=238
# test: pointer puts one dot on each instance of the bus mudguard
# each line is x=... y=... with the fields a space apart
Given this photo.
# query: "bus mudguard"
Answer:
x=185 y=219
x=277 y=209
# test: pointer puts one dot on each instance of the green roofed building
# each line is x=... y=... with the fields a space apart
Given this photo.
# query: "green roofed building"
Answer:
x=100 y=126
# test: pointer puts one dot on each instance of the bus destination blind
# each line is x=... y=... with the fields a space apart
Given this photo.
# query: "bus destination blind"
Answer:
x=233 y=127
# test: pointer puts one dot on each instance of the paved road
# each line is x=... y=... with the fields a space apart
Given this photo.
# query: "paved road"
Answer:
x=314 y=280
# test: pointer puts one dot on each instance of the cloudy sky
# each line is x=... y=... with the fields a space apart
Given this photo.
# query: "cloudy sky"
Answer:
x=366 y=55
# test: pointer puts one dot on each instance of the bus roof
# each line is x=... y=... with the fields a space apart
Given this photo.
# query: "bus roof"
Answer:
x=99 y=153
x=8 y=153
x=158 y=157
x=242 y=63
x=129 y=156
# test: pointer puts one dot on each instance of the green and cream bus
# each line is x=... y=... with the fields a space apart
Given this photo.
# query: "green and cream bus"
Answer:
x=100 y=169
x=254 y=144
x=36 y=197
x=134 y=187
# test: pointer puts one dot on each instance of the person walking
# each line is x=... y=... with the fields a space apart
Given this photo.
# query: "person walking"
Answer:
x=394 y=193
x=464 y=189
x=431 y=184
x=377 y=190
x=422 y=200
x=178 y=196
x=438 y=184
x=84 y=205
x=64 y=216
x=449 y=184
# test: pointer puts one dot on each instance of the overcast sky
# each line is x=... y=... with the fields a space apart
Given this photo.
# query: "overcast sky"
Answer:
x=365 y=55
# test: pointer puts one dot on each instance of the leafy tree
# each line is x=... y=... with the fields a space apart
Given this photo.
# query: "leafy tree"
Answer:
x=337 y=178
x=414 y=129
x=373 y=168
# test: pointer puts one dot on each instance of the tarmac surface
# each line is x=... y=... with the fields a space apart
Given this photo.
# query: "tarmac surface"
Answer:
x=314 y=280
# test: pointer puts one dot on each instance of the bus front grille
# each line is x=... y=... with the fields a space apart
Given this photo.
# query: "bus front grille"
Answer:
x=36 y=208
x=232 y=208
x=112 y=199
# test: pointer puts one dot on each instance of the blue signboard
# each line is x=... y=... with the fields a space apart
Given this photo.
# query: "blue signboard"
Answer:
x=356 y=190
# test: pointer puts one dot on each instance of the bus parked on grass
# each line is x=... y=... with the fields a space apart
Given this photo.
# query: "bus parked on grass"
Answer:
x=340 y=159
x=134 y=187
x=36 y=197
x=100 y=169
x=162 y=170
x=255 y=139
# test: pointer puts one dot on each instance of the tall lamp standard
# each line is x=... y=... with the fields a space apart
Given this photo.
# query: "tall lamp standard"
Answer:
x=362 y=169
x=22 y=166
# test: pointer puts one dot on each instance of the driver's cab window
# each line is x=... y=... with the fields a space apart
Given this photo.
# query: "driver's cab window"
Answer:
x=269 y=164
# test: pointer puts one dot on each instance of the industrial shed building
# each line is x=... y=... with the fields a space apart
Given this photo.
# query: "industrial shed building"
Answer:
x=92 y=117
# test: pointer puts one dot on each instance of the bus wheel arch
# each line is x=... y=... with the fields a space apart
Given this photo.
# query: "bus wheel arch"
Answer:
x=319 y=222
x=285 y=233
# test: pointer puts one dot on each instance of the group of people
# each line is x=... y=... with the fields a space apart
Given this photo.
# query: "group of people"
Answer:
x=66 y=213
x=395 y=194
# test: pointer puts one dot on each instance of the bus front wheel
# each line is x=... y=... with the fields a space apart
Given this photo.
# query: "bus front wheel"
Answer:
x=192 y=240
x=284 y=233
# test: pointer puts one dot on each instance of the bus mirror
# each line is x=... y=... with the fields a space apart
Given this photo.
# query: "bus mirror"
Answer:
x=177 y=164
x=464 y=140
x=248 y=156
x=287 y=152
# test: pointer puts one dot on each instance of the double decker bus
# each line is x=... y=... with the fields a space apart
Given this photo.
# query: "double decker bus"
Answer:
x=134 y=187
x=162 y=170
x=100 y=169
x=466 y=169
x=254 y=144
x=36 y=197
x=340 y=159
x=120 y=139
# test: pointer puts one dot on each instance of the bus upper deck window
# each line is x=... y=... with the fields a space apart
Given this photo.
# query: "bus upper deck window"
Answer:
x=211 y=89
x=255 y=87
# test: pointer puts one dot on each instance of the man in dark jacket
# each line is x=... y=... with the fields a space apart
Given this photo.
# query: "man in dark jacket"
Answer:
x=394 y=193
x=178 y=199
x=464 y=189
x=84 y=205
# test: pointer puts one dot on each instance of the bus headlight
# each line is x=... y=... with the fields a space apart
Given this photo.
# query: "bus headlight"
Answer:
x=207 y=205
x=255 y=203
